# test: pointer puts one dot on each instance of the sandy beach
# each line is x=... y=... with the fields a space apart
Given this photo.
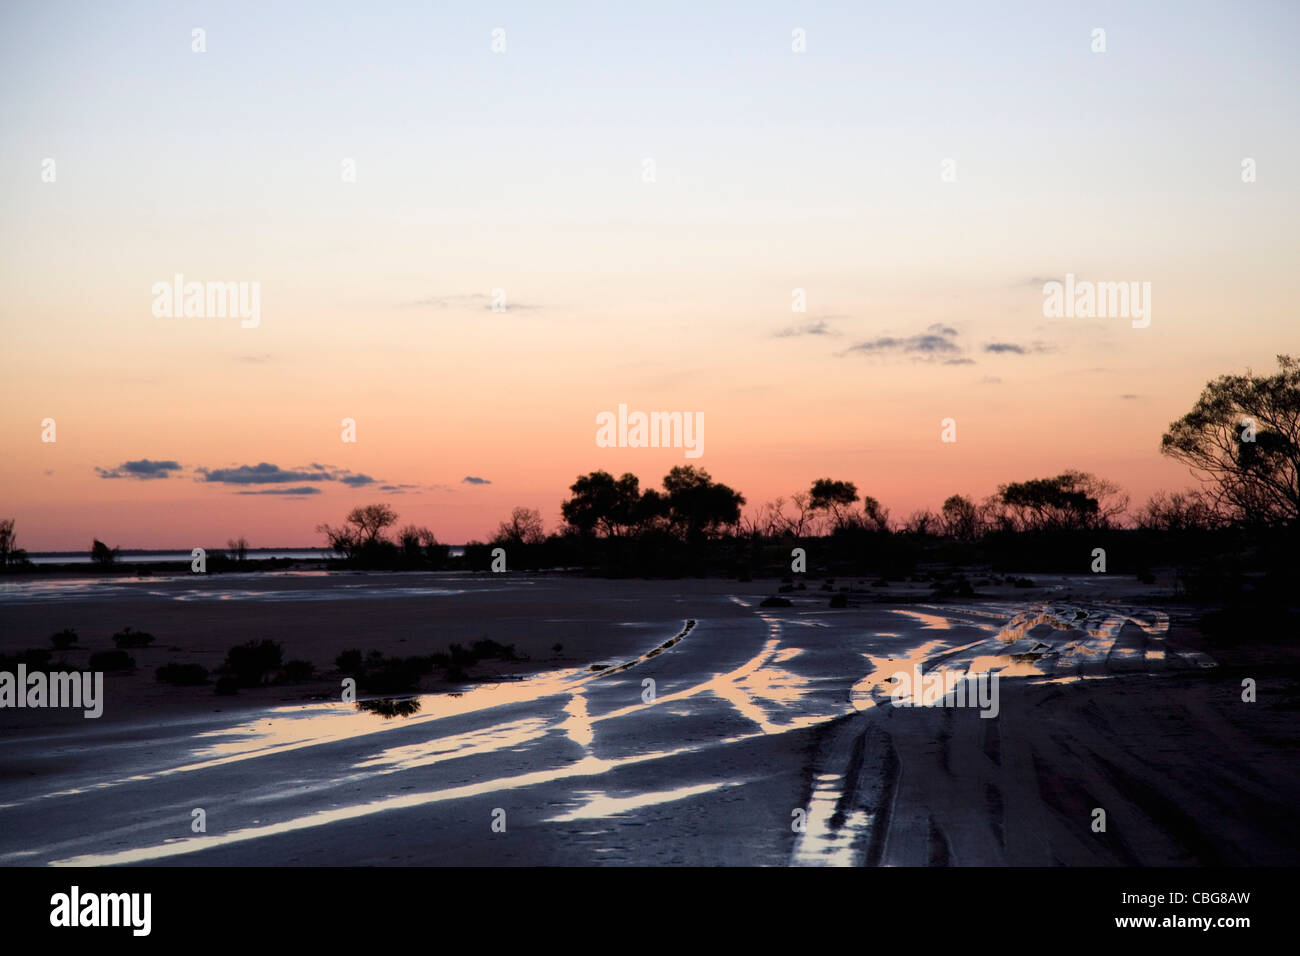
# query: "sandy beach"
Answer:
x=767 y=736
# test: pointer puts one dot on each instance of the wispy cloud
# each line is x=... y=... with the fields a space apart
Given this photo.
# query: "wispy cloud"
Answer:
x=471 y=300
x=815 y=327
x=303 y=490
x=936 y=343
x=1012 y=348
x=265 y=473
x=472 y=480
x=142 y=469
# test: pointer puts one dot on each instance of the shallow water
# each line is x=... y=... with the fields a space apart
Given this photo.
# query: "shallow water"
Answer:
x=708 y=724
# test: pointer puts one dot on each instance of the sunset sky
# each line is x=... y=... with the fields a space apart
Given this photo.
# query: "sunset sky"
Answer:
x=523 y=170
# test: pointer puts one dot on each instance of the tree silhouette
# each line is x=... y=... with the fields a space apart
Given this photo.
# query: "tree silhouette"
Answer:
x=1243 y=438
x=1073 y=500
x=697 y=505
x=833 y=498
x=102 y=554
x=10 y=553
x=601 y=504
x=524 y=527
x=364 y=529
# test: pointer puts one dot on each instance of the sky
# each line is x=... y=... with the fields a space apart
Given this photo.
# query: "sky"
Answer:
x=645 y=190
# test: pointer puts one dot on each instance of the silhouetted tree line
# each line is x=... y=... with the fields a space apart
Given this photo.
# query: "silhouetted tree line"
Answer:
x=1234 y=533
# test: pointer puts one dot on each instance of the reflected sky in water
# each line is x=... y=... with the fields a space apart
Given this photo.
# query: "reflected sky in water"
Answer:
x=593 y=728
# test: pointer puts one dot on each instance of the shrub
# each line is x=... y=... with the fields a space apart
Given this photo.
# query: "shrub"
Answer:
x=461 y=657
x=129 y=638
x=775 y=602
x=839 y=600
x=421 y=665
x=388 y=707
x=296 y=671
x=64 y=639
x=490 y=650
x=226 y=686
x=957 y=586
x=111 y=661
x=349 y=662
x=249 y=663
x=182 y=675
x=391 y=676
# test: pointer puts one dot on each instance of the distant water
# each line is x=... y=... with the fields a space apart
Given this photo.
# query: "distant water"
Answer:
x=155 y=557
x=159 y=557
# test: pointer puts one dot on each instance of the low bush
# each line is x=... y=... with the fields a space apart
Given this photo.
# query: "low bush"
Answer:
x=250 y=664
x=129 y=638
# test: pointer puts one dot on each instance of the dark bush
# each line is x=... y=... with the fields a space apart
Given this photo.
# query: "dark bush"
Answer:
x=485 y=650
x=461 y=657
x=297 y=671
x=64 y=639
x=226 y=686
x=839 y=600
x=954 y=587
x=392 y=676
x=421 y=665
x=388 y=707
x=349 y=662
x=775 y=602
x=249 y=663
x=129 y=638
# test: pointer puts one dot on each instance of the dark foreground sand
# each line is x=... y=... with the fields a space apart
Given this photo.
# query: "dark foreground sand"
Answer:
x=769 y=739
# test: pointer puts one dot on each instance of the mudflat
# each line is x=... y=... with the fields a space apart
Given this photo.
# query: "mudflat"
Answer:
x=680 y=722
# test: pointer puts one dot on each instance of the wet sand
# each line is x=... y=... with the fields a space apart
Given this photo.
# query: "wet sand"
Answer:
x=761 y=719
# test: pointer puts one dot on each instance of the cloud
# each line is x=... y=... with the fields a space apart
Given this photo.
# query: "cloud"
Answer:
x=142 y=469
x=935 y=342
x=471 y=480
x=265 y=473
x=1130 y=396
x=397 y=489
x=990 y=380
x=817 y=327
x=471 y=300
x=303 y=490
x=1011 y=348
